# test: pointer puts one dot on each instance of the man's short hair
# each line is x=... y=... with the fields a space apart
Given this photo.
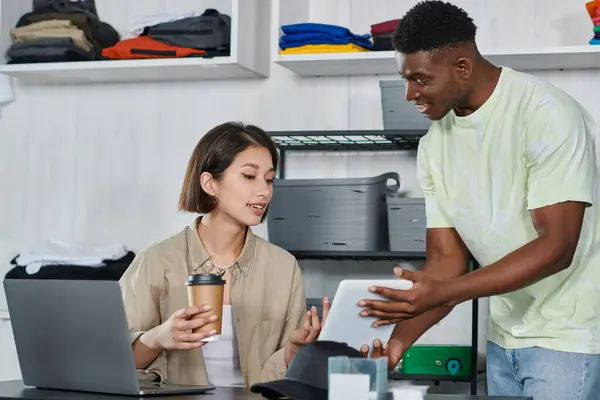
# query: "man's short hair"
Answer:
x=433 y=25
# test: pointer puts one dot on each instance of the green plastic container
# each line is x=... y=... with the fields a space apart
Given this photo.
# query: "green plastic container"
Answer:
x=441 y=360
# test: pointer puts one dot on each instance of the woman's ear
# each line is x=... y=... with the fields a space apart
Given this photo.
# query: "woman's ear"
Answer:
x=208 y=183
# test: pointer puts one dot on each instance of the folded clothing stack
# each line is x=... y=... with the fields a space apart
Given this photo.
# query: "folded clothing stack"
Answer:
x=310 y=38
x=191 y=34
x=593 y=8
x=61 y=260
x=60 y=32
x=60 y=253
x=382 y=33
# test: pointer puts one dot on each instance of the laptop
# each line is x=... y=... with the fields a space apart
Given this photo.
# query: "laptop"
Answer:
x=74 y=335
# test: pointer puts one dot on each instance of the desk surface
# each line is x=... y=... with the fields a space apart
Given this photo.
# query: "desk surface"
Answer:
x=11 y=390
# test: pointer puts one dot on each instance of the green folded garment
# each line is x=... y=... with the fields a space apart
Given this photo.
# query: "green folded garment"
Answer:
x=597 y=28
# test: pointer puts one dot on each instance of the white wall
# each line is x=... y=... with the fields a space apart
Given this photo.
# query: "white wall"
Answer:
x=104 y=163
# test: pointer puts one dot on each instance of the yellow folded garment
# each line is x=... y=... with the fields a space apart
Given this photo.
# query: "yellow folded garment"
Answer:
x=324 y=48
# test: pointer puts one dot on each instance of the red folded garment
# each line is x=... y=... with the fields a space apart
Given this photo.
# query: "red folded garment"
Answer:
x=146 y=47
x=593 y=8
x=384 y=27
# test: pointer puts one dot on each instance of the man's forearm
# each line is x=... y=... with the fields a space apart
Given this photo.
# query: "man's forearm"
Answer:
x=527 y=265
x=408 y=331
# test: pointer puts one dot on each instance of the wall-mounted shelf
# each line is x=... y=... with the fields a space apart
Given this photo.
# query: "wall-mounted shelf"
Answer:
x=116 y=71
x=340 y=64
x=384 y=63
x=248 y=59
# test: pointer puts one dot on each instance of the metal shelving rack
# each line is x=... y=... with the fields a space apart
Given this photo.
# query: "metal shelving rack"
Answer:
x=369 y=140
x=365 y=140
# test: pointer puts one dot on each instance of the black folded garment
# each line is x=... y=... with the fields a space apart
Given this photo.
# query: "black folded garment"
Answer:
x=383 y=42
x=112 y=271
x=47 y=50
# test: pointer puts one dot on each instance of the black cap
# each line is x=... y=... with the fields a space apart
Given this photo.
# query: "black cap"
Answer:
x=306 y=377
x=204 y=279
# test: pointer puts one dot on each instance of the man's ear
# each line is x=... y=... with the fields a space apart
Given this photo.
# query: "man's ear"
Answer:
x=464 y=67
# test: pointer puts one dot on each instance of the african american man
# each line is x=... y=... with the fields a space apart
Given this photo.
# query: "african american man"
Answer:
x=509 y=174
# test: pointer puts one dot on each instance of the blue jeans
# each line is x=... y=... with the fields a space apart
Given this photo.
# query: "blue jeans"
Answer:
x=542 y=374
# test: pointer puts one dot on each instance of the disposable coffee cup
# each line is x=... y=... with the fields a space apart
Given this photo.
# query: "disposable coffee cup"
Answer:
x=207 y=289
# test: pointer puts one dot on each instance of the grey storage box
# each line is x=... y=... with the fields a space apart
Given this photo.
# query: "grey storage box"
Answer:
x=331 y=214
x=407 y=223
x=396 y=111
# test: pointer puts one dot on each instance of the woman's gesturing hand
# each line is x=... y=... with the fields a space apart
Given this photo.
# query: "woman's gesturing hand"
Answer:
x=309 y=332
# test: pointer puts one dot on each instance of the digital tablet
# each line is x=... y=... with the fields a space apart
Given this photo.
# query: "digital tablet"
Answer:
x=344 y=323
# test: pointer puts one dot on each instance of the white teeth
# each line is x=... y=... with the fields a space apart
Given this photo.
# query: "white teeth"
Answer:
x=257 y=207
x=422 y=107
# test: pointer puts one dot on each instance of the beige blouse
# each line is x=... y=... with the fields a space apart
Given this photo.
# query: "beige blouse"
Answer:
x=267 y=301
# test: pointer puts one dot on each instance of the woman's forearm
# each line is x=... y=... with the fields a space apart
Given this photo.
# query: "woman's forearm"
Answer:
x=146 y=349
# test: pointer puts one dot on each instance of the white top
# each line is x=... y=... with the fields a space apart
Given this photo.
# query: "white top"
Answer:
x=529 y=146
x=221 y=356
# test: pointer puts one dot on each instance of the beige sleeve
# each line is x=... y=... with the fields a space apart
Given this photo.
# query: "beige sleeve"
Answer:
x=275 y=367
x=142 y=285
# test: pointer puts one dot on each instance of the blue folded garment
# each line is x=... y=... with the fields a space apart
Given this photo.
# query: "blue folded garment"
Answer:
x=595 y=42
x=301 y=39
x=332 y=30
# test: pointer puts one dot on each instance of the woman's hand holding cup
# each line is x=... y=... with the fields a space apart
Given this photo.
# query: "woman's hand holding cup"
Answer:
x=177 y=333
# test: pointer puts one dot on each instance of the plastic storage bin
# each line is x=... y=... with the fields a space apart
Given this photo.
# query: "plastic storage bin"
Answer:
x=406 y=223
x=331 y=214
x=396 y=111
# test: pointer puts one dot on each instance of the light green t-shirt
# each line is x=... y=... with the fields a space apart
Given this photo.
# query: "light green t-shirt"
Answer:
x=529 y=146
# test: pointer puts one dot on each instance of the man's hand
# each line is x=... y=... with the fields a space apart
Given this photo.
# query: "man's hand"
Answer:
x=308 y=333
x=393 y=350
x=380 y=349
x=426 y=293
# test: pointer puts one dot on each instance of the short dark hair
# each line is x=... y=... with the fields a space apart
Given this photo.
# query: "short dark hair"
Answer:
x=433 y=25
x=214 y=153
